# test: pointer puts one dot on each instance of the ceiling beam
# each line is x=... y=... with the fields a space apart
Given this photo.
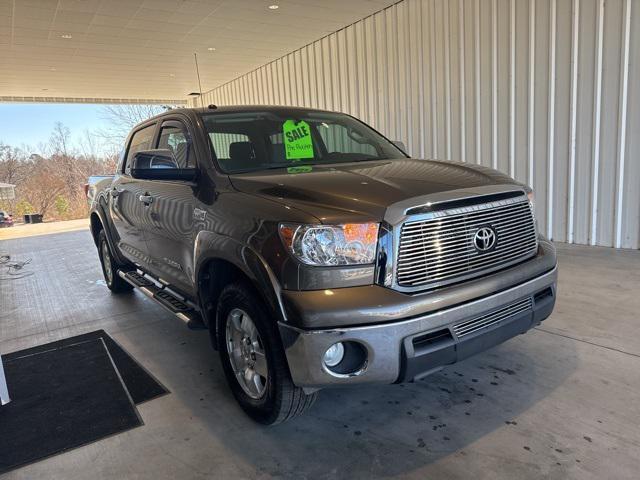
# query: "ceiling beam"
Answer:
x=93 y=100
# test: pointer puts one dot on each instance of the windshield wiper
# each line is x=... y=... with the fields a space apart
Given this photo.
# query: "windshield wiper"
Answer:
x=276 y=166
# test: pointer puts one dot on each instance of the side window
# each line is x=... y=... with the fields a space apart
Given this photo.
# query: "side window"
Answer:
x=141 y=140
x=174 y=137
x=232 y=149
x=276 y=144
x=222 y=143
x=338 y=138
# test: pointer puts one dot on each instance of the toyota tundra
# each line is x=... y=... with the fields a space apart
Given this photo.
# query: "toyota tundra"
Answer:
x=316 y=252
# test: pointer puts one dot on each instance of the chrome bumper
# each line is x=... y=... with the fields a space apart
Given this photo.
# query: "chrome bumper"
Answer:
x=388 y=345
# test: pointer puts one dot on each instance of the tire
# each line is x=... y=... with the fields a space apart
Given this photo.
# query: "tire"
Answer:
x=272 y=398
x=110 y=267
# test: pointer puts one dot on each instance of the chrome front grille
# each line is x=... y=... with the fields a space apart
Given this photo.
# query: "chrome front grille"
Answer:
x=440 y=248
x=471 y=326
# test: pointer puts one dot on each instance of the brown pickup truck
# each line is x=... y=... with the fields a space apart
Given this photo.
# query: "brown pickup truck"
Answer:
x=316 y=252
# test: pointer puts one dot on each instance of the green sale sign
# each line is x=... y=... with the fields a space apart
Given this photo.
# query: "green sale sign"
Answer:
x=298 y=143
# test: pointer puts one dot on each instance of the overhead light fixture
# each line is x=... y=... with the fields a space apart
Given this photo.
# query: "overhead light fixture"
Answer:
x=66 y=35
x=274 y=7
x=172 y=74
x=53 y=69
x=211 y=49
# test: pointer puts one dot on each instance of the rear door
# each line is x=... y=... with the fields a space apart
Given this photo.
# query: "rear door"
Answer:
x=129 y=214
x=170 y=236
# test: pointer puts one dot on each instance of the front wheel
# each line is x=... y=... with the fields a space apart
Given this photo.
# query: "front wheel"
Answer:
x=110 y=267
x=253 y=359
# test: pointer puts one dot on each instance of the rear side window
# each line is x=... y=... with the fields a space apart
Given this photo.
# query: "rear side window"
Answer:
x=141 y=140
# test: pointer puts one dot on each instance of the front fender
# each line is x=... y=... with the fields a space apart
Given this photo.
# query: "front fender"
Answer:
x=213 y=246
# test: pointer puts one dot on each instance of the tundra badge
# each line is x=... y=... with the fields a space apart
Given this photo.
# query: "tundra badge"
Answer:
x=199 y=214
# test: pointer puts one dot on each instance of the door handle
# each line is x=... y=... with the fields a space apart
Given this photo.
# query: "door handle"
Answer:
x=146 y=199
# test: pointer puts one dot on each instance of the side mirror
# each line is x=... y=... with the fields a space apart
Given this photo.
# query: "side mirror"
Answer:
x=400 y=145
x=160 y=164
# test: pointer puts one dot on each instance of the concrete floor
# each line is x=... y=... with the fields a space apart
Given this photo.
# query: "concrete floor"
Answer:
x=559 y=402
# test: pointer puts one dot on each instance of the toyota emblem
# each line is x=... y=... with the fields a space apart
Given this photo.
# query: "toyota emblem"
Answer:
x=485 y=239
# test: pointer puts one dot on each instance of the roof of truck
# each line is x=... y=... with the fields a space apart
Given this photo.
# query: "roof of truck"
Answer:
x=195 y=111
x=235 y=108
x=248 y=108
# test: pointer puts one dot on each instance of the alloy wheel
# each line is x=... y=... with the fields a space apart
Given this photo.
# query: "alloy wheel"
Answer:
x=106 y=261
x=246 y=353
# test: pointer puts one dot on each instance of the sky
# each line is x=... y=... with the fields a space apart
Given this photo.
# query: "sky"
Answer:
x=32 y=123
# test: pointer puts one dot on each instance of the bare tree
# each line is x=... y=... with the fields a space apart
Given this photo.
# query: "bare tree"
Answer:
x=110 y=163
x=121 y=119
x=55 y=176
x=60 y=138
x=59 y=143
x=12 y=164
x=89 y=145
x=43 y=185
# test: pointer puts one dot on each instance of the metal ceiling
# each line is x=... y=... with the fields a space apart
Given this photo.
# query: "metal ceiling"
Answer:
x=116 y=51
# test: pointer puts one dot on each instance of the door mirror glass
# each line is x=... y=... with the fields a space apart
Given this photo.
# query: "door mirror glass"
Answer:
x=159 y=164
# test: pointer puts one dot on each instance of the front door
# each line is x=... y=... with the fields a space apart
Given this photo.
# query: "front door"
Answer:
x=170 y=231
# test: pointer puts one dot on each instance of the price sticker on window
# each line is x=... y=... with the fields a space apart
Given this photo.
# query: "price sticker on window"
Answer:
x=298 y=143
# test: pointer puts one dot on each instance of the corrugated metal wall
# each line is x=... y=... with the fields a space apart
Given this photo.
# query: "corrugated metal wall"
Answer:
x=546 y=90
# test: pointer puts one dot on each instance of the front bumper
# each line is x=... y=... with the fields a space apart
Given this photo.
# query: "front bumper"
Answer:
x=397 y=351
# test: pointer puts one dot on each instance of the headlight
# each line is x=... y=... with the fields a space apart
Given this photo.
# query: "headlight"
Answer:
x=328 y=245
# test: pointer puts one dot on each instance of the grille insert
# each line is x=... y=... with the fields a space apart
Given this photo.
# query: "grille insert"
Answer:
x=471 y=326
x=441 y=249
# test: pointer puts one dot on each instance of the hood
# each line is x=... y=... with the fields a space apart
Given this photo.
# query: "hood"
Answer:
x=362 y=191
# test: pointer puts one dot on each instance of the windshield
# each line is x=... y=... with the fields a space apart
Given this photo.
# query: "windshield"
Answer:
x=251 y=141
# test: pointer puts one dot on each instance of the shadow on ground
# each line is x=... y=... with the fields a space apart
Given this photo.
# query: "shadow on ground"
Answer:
x=384 y=430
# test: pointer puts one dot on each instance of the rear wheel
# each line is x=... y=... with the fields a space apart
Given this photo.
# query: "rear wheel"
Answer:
x=253 y=359
x=110 y=266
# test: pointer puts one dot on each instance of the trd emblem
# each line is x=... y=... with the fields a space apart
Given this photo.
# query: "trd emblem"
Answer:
x=485 y=239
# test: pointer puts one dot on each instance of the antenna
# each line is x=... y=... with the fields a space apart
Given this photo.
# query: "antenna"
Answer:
x=195 y=56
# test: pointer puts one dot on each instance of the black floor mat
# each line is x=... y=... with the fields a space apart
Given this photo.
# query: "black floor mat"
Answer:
x=140 y=383
x=62 y=398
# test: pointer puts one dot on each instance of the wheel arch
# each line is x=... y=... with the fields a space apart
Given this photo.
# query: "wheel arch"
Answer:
x=95 y=224
x=216 y=270
x=98 y=221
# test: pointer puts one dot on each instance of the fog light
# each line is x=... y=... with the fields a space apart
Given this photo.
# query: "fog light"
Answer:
x=334 y=355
